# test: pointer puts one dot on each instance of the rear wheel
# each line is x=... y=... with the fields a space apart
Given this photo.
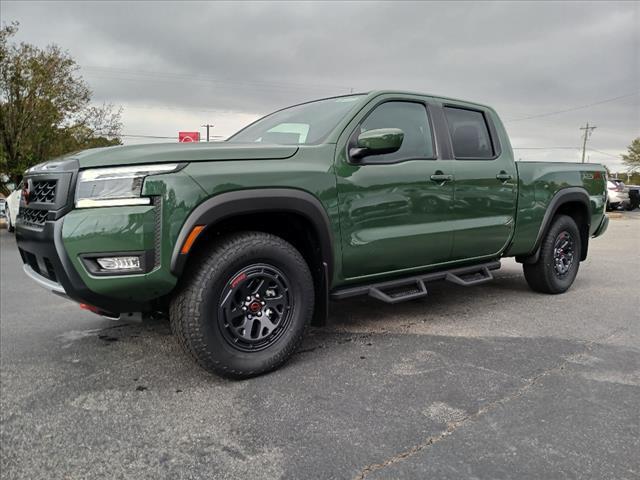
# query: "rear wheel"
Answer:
x=559 y=260
x=245 y=305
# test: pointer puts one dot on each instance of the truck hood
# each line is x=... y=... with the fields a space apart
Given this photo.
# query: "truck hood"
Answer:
x=179 y=152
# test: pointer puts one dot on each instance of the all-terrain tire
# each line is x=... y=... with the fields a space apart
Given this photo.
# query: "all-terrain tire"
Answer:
x=197 y=313
x=553 y=273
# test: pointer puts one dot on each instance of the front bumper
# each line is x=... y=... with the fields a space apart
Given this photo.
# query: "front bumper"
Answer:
x=44 y=282
x=56 y=241
x=47 y=263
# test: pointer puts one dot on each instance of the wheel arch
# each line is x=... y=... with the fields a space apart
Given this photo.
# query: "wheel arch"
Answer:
x=295 y=215
x=574 y=202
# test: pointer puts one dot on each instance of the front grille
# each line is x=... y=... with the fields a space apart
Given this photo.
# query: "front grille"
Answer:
x=44 y=191
x=46 y=196
x=30 y=216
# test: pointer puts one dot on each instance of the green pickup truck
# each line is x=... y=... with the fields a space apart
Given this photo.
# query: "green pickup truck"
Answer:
x=244 y=242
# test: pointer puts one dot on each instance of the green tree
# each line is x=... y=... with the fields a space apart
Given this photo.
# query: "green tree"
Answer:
x=45 y=108
x=632 y=159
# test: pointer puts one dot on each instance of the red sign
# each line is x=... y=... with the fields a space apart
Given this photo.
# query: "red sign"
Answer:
x=186 y=137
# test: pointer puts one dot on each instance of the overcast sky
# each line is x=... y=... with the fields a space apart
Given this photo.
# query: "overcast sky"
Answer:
x=177 y=65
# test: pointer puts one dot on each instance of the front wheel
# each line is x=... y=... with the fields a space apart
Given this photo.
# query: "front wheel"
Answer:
x=559 y=260
x=245 y=304
x=10 y=226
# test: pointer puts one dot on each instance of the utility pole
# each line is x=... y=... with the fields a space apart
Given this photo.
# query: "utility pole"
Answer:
x=208 y=125
x=587 y=133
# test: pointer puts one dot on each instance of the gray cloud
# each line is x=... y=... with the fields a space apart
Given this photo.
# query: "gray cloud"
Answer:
x=522 y=58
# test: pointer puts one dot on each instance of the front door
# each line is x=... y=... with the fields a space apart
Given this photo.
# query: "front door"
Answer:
x=395 y=208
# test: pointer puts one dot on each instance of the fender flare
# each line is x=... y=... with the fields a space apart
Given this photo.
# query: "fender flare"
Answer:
x=561 y=197
x=229 y=204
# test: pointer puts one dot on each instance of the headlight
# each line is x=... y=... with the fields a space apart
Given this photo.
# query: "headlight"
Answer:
x=108 y=187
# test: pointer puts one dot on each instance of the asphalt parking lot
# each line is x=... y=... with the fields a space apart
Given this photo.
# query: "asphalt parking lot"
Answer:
x=493 y=381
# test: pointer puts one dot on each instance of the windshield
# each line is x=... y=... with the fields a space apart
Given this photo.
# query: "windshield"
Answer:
x=305 y=124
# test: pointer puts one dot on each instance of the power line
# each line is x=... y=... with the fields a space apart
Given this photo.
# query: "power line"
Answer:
x=568 y=148
x=562 y=148
x=544 y=148
x=207 y=78
x=139 y=136
x=171 y=77
x=160 y=137
x=165 y=107
x=130 y=75
x=603 y=153
x=571 y=109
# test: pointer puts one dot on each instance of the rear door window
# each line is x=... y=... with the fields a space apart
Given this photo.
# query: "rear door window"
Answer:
x=469 y=134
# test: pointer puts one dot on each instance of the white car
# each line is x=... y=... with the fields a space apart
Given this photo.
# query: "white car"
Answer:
x=618 y=194
x=13 y=204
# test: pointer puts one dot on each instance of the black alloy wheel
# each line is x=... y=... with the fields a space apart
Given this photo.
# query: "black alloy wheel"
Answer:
x=563 y=254
x=243 y=304
x=558 y=258
x=255 y=307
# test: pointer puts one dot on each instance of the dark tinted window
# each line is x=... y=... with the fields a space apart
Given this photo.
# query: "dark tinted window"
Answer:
x=469 y=133
x=409 y=117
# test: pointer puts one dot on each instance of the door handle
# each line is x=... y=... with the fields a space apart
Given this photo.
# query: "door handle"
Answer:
x=441 y=177
x=504 y=176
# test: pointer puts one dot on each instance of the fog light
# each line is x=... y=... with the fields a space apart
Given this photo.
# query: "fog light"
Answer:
x=119 y=263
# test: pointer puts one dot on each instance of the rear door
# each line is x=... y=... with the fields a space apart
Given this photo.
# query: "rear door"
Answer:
x=393 y=216
x=484 y=206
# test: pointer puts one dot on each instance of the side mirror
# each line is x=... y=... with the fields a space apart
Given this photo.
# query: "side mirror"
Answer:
x=377 y=142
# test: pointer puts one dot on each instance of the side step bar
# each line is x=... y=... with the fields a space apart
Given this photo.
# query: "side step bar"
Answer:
x=472 y=278
x=409 y=288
